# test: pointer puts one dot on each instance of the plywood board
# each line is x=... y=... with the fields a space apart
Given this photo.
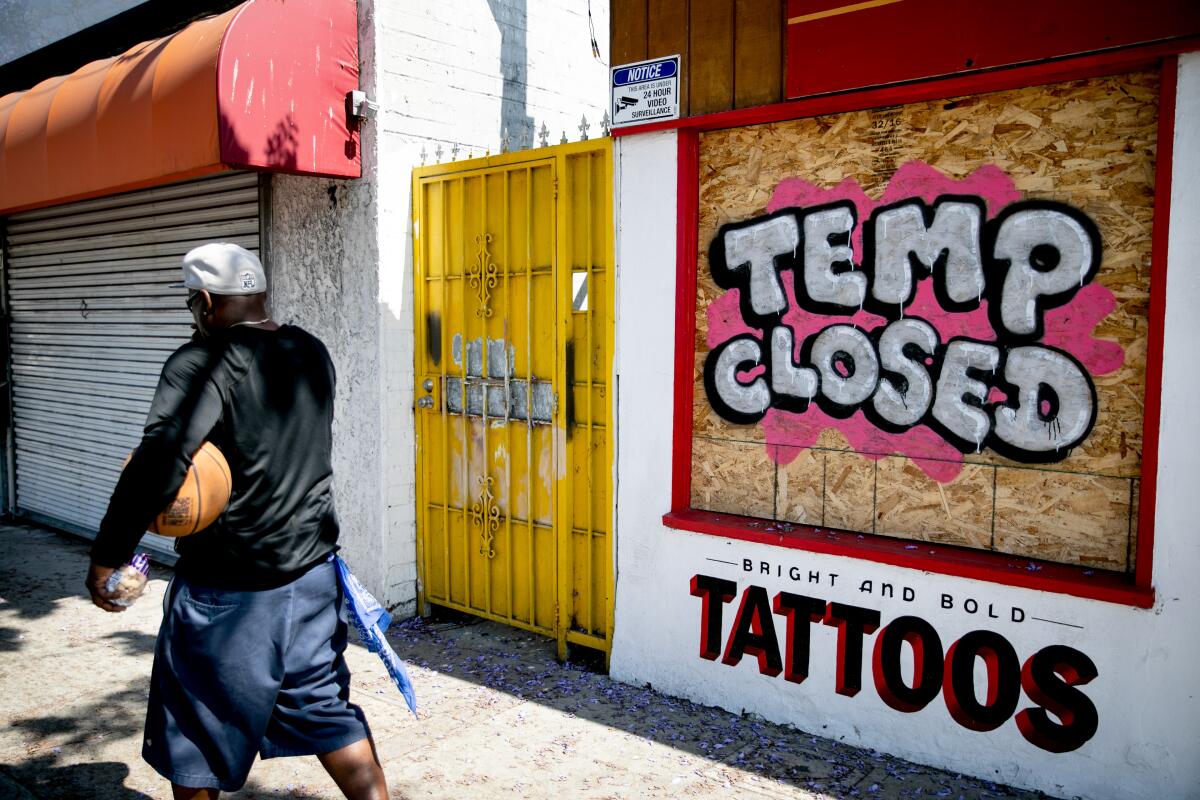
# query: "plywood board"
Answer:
x=1135 y=497
x=1089 y=144
x=849 y=492
x=800 y=486
x=911 y=505
x=1062 y=517
x=732 y=478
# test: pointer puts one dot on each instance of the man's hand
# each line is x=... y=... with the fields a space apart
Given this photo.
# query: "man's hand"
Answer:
x=96 y=578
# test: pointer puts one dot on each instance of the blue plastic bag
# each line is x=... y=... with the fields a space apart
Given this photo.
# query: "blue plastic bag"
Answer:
x=371 y=621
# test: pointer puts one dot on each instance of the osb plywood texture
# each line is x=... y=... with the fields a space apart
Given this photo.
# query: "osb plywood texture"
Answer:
x=1089 y=144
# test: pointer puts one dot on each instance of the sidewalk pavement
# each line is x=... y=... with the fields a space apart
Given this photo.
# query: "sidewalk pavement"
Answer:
x=499 y=716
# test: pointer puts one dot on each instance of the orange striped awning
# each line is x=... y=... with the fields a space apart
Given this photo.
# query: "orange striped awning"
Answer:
x=261 y=86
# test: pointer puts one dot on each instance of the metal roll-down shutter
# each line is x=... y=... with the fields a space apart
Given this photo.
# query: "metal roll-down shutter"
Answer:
x=92 y=323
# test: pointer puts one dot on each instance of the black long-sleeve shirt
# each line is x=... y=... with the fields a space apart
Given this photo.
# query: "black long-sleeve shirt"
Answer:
x=265 y=398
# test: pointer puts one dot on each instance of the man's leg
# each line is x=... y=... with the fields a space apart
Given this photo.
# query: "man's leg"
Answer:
x=188 y=793
x=355 y=768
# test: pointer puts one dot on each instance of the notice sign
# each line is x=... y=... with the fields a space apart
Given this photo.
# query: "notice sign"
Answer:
x=647 y=91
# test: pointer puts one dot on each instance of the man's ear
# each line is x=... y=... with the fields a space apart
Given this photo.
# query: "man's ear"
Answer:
x=208 y=303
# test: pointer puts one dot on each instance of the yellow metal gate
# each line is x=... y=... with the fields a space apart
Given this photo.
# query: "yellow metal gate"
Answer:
x=513 y=266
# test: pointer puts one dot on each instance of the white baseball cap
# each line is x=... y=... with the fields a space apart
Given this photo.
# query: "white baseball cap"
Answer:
x=222 y=268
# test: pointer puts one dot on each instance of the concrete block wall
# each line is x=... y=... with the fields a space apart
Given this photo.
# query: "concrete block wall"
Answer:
x=461 y=71
x=457 y=72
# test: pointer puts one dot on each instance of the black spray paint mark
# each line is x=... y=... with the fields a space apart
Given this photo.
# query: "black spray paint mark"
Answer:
x=569 y=388
x=433 y=337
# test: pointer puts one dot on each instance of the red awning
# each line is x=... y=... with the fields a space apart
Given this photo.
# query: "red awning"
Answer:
x=262 y=86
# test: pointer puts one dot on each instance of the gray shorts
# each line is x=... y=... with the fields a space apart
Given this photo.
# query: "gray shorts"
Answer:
x=240 y=673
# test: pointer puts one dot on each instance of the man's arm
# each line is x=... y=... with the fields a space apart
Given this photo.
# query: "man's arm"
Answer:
x=186 y=407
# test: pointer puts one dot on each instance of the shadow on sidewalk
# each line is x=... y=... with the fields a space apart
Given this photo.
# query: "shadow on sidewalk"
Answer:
x=502 y=668
x=9 y=640
x=135 y=643
x=40 y=584
x=116 y=714
x=256 y=791
x=44 y=776
x=523 y=665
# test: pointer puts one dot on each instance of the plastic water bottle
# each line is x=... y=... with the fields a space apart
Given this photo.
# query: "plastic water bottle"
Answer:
x=129 y=581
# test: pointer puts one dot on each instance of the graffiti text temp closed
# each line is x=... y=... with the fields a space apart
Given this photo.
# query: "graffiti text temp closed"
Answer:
x=1015 y=394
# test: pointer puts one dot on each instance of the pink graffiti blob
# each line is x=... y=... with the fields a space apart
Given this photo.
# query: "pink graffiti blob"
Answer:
x=1070 y=327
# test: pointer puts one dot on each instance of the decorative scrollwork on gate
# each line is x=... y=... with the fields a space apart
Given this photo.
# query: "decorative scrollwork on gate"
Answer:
x=486 y=514
x=483 y=275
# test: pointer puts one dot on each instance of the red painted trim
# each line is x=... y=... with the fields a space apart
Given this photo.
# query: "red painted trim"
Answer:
x=688 y=214
x=842 y=51
x=1135 y=590
x=1152 y=402
x=1108 y=63
x=287 y=110
x=960 y=562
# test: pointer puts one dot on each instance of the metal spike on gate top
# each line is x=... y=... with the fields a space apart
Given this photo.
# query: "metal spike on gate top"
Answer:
x=563 y=140
x=544 y=135
x=424 y=155
x=524 y=138
x=583 y=128
x=438 y=152
x=605 y=125
x=504 y=140
x=454 y=152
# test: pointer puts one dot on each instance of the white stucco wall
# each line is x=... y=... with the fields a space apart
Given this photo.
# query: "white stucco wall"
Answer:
x=323 y=278
x=442 y=73
x=1147 y=693
x=324 y=273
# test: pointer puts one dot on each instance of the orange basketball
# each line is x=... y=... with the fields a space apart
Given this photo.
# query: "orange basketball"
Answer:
x=201 y=499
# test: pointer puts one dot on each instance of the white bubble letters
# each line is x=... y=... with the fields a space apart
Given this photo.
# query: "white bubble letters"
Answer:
x=1027 y=401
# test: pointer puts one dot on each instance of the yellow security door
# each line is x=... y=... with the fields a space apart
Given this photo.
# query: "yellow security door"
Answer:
x=512 y=259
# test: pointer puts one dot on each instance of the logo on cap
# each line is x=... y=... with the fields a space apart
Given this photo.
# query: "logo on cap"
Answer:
x=248 y=281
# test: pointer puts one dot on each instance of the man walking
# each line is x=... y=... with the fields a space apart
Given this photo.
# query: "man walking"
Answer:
x=249 y=657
